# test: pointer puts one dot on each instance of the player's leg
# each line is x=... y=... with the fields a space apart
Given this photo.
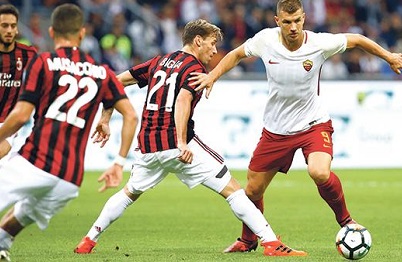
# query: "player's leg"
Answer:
x=143 y=177
x=273 y=153
x=112 y=210
x=39 y=207
x=24 y=185
x=257 y=182
x=329 y=186
x=9 y=228
x=247 y=212
x=244 y=209
x=318 y=153
x=209 y=169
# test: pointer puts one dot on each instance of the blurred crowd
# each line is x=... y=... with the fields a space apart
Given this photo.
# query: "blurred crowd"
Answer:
x=122 y=33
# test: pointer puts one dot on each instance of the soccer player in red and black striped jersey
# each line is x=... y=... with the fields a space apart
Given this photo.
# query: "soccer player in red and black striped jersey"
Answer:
x=171 y=72
x=168 y=144
x=65 y=88
x=14 y=57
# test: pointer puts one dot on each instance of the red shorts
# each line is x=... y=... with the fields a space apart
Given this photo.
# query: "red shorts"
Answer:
x=277 y=151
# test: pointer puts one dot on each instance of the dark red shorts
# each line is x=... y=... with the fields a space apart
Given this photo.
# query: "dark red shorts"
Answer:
x=277 y=151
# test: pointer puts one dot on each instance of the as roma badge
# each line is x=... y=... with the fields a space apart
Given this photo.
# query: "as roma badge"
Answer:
x=308 y=64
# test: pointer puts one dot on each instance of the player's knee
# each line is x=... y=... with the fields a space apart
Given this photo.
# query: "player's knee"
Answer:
x=319 y=174
x=254 y=192
x=22 y=216
x=231 y=187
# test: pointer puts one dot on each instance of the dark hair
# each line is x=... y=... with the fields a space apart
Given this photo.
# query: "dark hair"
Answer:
x=289 y=6
x=9 y=10
x=202 y=28
x=67 y=19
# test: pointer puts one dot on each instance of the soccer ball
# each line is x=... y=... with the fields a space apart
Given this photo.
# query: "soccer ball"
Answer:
x=353 y=241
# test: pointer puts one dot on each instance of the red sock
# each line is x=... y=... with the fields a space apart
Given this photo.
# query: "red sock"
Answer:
x=331 y=191
x=247 y=234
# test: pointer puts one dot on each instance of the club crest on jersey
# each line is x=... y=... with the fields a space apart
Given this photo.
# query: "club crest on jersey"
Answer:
x=308 y=64
x=19 y=64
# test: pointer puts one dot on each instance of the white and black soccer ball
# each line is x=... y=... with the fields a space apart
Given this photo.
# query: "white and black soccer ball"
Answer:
x=353 y=241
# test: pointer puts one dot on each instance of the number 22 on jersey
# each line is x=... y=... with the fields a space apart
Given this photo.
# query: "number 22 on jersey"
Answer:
x=73 y=85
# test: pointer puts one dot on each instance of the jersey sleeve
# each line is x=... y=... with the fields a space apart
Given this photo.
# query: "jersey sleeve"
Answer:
x=115 y=90
x=32 y=81
x=141 y=72
x=185 y=81
x=255 y=46
x=332 y=43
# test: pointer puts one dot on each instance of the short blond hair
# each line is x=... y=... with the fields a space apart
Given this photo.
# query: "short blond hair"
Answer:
x=202 y=28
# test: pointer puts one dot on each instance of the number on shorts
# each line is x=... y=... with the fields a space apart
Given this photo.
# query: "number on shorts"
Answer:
x=326 y=137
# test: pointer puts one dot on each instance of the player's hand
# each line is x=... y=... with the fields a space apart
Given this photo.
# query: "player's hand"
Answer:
x=111 y=177
x=396 y=62
x=202 y=81
x=185 y=156
x=101 y=133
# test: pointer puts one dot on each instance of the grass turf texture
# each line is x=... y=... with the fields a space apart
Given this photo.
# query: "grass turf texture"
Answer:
x=173 y=223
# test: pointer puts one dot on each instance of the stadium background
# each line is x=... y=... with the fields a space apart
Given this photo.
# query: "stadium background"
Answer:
x=172 y=223
x=361 y=92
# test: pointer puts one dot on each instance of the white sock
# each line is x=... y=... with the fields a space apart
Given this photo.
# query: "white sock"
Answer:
x=247 y=212
x=6 y=240
x=112 y=210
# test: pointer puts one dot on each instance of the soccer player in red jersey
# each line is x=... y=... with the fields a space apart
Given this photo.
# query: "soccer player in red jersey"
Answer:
x=167 y=142
x=14 y=57
x=65 y=88
x=294 y=117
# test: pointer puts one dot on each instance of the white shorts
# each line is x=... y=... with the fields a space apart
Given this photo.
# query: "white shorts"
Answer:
x=207 y=168
x=37 y=195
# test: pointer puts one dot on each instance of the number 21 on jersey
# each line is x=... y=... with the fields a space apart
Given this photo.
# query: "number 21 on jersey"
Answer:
x=162 y=81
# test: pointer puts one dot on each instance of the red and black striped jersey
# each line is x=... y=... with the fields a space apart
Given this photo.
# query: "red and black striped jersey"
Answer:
x=66 y=86
x=165 y=76
x=12 y=66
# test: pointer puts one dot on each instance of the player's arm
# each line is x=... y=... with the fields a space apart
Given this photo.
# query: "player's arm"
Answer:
x=130 y=122
x=102 y=130
x=181 y=117
x=114 y=175
x=229 y=61
x=16 y=119
x=126 y=78
x=368 y=45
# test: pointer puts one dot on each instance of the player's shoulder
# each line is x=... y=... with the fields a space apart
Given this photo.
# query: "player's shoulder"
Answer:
x=26 y=47
x=192 y=64
x=268 y=32
x=267 y=35
x=105 y=71
x=318 y=36
x=181 y=61
x=106 y=67
x=323 y=39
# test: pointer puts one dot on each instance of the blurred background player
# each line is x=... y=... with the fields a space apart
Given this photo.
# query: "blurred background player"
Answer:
x=65 y=88
x=294 y=116
x=14 y=57
x=168 y=144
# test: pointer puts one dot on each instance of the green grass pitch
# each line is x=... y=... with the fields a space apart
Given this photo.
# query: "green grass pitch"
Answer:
x=173 y=223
